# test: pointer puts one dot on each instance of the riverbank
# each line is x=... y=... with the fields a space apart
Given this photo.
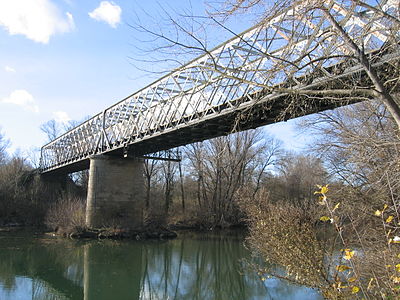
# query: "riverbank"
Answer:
x=160 y=233
x=119 y=234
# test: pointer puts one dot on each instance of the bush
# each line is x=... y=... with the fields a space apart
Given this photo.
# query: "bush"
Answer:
x=67 y=215
x=286 y=236
x=23 y=198
x=343 y=255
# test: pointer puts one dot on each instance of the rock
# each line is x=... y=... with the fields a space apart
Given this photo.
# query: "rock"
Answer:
x=161 y=234
x=83 y=235
x=171 y=235
x=13 y=225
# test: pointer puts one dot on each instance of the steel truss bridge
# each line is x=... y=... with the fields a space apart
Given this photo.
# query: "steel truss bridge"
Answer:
x=276 y=70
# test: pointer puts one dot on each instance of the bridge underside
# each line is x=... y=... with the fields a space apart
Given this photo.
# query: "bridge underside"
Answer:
x=228 y=121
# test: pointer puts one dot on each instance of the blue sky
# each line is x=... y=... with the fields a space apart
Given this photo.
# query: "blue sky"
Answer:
x=68 y=59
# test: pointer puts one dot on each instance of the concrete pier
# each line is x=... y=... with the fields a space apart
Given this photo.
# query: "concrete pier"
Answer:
x=115 y=192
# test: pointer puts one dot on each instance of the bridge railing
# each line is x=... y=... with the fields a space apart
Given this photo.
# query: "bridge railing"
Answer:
x=272 y=53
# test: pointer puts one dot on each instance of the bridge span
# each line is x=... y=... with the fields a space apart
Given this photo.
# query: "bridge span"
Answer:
x=279 y=69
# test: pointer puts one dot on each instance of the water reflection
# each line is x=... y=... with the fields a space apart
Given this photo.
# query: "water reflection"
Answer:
x=192 y=267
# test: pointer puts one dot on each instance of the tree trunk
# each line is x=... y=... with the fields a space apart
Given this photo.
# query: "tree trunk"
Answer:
x=182 y=188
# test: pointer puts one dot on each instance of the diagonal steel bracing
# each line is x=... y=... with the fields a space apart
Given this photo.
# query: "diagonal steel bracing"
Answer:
x=206 y=97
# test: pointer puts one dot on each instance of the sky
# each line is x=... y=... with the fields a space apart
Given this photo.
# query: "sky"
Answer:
x=69 y=59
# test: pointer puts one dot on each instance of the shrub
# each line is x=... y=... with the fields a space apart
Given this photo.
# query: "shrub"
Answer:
x=344 y=255
x=286 y=236
x=67 y=215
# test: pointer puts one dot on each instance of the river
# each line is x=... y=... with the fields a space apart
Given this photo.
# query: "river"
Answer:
x=193 y=266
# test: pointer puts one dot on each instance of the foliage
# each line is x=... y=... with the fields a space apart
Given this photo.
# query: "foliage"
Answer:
x=360 y=148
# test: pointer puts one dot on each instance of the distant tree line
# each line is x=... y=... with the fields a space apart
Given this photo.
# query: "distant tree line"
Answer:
x=201 y=190
x=25 y=197
x=216 y=171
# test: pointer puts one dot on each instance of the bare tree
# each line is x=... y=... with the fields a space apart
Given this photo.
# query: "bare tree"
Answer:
x=151 y=168
x=359 y=145
x=33 y=156
x=195 y=154
x=182 y=186
x=299 y=176
x=4 y=144
x=168 y=172
x=52 y=129
x=223 y=165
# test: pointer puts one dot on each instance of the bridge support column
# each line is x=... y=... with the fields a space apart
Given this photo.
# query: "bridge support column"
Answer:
x=115 y=192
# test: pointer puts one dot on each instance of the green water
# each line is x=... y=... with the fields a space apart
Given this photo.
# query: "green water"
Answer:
x=201 y=266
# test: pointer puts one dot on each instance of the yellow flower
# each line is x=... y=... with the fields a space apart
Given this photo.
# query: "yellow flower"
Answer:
x=326 y=219
x=398 y=267
x=389 y=219
x=324 y=189
x=355 y=290
x=396 y=279
x=378 y=213
x=342 y=268
x=348 y=254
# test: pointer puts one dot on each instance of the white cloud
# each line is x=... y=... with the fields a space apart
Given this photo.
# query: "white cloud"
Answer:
x=108 y=12
x=9 y=69
x=61 y=116
x=22 y=98
x=38 y=20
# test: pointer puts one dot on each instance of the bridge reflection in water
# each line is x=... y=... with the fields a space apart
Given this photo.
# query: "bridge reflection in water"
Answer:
x=196 y=267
